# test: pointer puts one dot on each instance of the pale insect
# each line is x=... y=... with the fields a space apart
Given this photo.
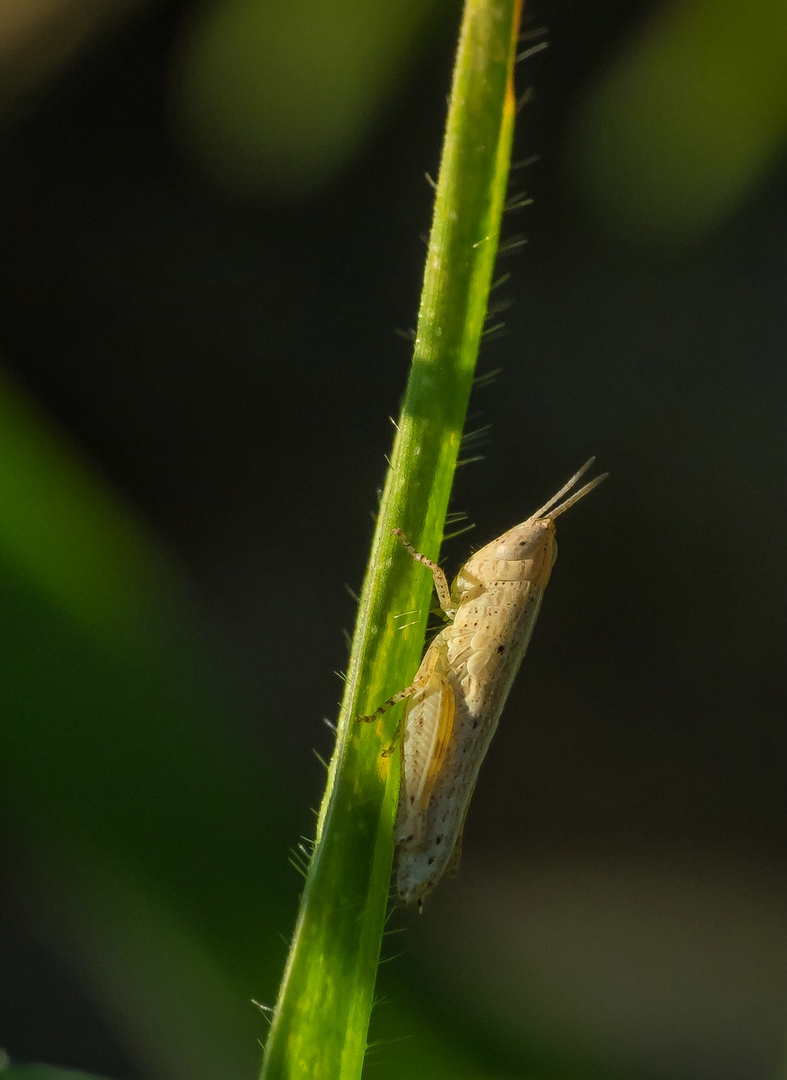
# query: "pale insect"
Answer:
x=454 y=702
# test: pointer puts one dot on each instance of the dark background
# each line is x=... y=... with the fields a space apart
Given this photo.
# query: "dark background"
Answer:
x=229 y=364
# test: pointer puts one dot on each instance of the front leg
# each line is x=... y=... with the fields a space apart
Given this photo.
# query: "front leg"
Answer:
x=440 y=580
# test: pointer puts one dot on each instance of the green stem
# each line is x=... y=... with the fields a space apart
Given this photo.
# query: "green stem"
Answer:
x=322 y=1015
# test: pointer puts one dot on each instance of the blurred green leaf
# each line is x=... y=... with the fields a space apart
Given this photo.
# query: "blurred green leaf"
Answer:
x=277 y=97
x=687 y=121
x=143 y=835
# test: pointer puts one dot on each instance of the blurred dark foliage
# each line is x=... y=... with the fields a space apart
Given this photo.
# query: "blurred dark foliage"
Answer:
x=231 y=367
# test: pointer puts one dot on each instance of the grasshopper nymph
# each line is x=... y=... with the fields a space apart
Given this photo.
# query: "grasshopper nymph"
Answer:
x=454 y=702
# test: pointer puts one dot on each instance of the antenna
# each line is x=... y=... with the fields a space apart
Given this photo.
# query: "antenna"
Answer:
x=566 y=488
